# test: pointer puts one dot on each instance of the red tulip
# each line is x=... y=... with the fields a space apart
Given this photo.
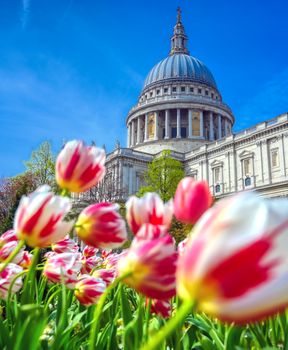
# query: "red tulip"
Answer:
x=88 y=289
x=39 y=219
x=89 y=251
x=107 y=275
x=152 y=266
x=79 y=167
x=192 y=199
x=148 y=210
x=101 y=226
x=8 y=236
x=235 y=264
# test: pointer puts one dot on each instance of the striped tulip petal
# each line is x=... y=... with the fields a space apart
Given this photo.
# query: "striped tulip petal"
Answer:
x=39 y=219
x=152 y=265
x=88 y=289
x=101 y=226
x=80 y=167
x=7 y=276
x=149 y=209
x=235 y=264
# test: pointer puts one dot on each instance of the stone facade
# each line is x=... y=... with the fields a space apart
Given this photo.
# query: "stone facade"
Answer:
x=180 y=108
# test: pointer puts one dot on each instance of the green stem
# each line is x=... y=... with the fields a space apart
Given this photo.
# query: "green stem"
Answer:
x=147 y=319
x=64 y=192
x=98 y=311
x=155 y=342
x=12 y=255
x=27 y=290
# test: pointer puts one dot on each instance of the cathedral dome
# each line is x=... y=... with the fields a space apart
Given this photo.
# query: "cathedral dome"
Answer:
x=180 y=66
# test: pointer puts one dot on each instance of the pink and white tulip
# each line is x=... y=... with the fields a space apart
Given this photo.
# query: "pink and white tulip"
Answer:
x=63 y=268
x=152 y=266
x=7 y=249
x=101 y=226
x=39 y=219
x=107 y=275
x=88 y=264
x=65 y=245
x=88 y=289
x=149 y=231
x=161 y=307
x=89 y=251
x=192 y=199
x=235 y=264
x=149 y=209
x=7 y=237
x=80 y=167
x=6 y=277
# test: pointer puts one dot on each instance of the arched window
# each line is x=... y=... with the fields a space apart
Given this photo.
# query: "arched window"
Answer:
x=247 y=181
x=217 y=188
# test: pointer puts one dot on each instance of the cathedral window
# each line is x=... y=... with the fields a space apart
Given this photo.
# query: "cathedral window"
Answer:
x=217 y=188
x=247 y=167
x=217 y=174
x=174 y=132
x=199 y=91
x=206 y=92
x=158 y=92
x=151 y=94
x=212 y=95
x=191 y=89
x=174 y=89
x=274 y=158
x=165 y=90
x=183 y=133
x=247 y=181
x=183 y=89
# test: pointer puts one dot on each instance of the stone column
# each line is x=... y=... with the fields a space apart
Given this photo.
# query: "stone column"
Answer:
x=167 y=123
x=201 y=125
x=138 y=130
x=133 y=133
x=190 y=123
x=178 y=136
x=219 y=127
x=211 y=132
x=128 y=135
x=156 y=125
x=146 y=128
x=226 y=127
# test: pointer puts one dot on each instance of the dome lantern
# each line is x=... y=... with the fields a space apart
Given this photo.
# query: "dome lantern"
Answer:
x=179 y=39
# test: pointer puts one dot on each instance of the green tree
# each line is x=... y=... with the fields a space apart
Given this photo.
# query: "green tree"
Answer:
x=163 y=176
x=42 y=164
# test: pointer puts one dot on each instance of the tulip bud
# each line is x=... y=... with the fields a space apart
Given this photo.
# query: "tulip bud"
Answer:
x=65 y=245
x=79 y=167
x=88 y=289
x=100 y=225
x=107 y=275
x=235 y=264
x=8 y=236
x=151 y=265
x=63 y=268
x=39 y=219
x=7 y=276
x=192 y=199
x=149 y=209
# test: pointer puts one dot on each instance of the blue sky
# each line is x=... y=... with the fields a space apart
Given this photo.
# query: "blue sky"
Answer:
x=74 y=68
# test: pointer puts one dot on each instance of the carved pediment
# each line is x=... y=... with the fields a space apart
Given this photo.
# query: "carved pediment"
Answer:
x=216 y=163
x=246 y=154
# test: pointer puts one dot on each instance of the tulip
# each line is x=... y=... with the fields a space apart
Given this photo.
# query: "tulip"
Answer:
x=235 y=264
x=88 y=289
x=148 y=210
x=7 y=249
x=89 y=251
x=192 y=199
x=6 y=277
x=88 y=264
x=161 y=307
x=66 y=245
x=105 y=253
x=7 y=237
x=26 y=260
x=39 y=218
x=63 y=268
x=107 y=275
x=149 y=231
x=79 y=167
x=150 y=267
x=101 y=226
